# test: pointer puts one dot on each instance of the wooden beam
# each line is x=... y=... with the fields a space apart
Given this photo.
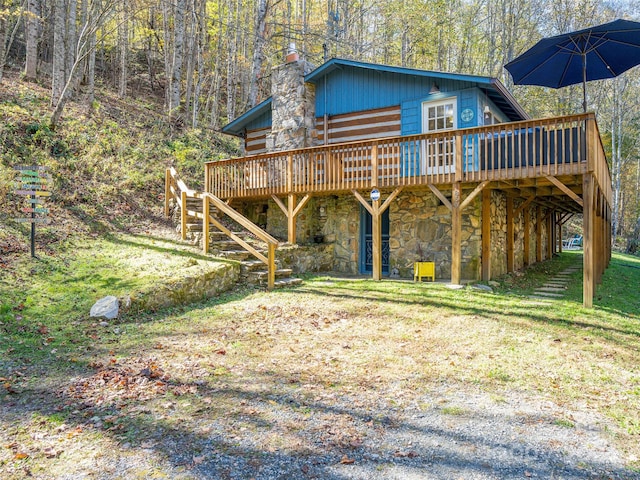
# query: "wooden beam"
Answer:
x=510 y=219
x=456 y=234
x=588 y=283
x=362 y=201
x=440 y=195
x=486 y=235
x=301 y=204
x=473 y=194
x=524 y=205
x=291 y=211
x=565 y=189
x=282 y=206
x=390 y=199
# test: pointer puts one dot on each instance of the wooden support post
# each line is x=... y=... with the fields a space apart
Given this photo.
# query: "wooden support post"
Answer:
x=486 y=235
x=588 y=285
x=559 y=236
x=527 y=236
x=456 y=234
x=291 y=219
x=376 y=231
x=205 y=224
x=183 y=214
x=550 y=234
x=167 y=191
x=376 y=210
x=538 y=233
x=510 y=250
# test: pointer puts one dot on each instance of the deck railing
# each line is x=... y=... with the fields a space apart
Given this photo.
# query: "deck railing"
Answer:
x=567 y=145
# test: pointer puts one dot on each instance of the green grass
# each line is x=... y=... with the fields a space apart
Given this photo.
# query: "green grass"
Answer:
x=336 y=336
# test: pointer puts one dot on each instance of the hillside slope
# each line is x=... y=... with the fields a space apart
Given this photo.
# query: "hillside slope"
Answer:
x=107 y=164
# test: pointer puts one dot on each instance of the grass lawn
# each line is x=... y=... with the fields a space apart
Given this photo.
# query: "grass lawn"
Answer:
x=72 y=386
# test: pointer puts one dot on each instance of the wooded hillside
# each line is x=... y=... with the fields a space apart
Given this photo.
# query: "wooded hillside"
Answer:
x=198 y=64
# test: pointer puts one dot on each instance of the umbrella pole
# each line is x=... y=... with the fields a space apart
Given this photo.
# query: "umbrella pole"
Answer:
x=584 y=82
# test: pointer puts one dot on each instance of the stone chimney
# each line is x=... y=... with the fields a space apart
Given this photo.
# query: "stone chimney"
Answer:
x=293 y=123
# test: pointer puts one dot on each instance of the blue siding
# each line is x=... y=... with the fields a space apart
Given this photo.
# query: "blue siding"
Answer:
x=262 y=121
x=351 y=90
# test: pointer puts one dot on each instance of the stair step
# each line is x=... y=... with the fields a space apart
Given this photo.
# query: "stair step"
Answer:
x=248 y=266
x=261 y=275
x=239 y=255
x=287 y=282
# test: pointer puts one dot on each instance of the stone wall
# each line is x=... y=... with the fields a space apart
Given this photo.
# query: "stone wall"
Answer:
x=342 y=228
x=306 y=258
x=420 y=229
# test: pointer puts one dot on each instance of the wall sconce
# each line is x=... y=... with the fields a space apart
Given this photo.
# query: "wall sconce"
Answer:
x=322 y=211
x=434 y=88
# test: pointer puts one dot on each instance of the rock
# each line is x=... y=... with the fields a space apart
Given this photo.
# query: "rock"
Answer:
x=454 y=286
x=481 y=287
x=493 y=283
x=105 y=307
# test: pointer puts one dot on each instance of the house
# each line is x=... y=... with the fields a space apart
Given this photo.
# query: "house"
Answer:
x=391 y=165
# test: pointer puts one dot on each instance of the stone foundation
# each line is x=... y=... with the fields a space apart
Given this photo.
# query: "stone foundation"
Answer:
x=419 y=229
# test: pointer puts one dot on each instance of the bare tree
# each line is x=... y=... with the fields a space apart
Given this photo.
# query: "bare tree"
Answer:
x=32 y=34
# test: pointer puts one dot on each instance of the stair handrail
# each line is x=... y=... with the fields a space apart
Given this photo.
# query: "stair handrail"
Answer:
x=176 y=188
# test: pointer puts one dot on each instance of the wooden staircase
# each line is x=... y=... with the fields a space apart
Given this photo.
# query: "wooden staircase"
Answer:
x=227 y=234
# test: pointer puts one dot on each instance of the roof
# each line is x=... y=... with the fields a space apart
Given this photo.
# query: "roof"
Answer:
x=492 y=87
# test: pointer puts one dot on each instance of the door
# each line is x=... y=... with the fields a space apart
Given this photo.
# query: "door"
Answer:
x=366 y=241
x=438 y=156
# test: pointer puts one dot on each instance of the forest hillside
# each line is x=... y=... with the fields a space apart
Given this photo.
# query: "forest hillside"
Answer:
x=107 y=163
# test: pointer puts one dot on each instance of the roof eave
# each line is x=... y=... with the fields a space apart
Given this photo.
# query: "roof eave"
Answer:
x=233 y=128
x=497 y=84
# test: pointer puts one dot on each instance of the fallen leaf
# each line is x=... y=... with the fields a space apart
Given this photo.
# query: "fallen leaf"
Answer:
x=50 y=452
x=20 y=456
x=43 y=330
x=346 y=460
x=198 y=460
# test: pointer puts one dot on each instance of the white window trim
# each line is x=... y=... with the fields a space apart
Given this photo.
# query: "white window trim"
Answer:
x=431 y=170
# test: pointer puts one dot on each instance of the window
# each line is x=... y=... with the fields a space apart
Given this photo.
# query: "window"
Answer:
x=438 y=155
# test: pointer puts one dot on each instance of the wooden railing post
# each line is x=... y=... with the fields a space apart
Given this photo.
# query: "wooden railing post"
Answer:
x=272 y=266
x=183 y=214
x=458 y=157
x=205 y=223
x=167 y=191
x=289 y=173
x=374 y=165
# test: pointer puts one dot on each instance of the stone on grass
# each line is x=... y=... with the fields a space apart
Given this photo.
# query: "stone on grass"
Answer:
x=106 y=307
x=481 y=287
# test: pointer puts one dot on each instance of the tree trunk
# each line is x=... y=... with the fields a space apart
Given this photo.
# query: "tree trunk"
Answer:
x=32 y=33
x=58 y=77
x=178 y=57
x=123 y=48
x=258 y=51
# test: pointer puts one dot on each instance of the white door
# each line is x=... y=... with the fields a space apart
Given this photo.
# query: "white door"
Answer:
x=438 y=156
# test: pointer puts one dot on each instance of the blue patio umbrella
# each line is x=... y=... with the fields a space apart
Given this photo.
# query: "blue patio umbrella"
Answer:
x=604 y=51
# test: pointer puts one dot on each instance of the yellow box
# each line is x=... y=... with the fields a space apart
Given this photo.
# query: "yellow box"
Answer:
x=424 y=269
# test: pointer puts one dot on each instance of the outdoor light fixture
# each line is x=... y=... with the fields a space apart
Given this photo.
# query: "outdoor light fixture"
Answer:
x=434 y=88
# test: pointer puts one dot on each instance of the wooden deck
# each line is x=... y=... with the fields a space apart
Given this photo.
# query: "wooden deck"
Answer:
x=557 y=163
x=511 y=154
